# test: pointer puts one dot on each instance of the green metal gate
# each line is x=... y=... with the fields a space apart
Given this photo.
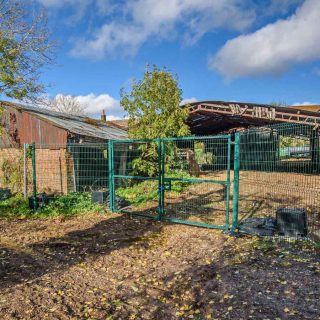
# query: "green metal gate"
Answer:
x=184 y=180
x=135 y=171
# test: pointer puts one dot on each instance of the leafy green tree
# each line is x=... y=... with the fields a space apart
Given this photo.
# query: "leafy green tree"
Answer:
x=153 y=106
x=25 y=49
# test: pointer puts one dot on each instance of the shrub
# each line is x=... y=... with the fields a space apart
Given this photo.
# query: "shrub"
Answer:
x=66 y=205
x=71 y=204
x=14 y=206
x=12 y=176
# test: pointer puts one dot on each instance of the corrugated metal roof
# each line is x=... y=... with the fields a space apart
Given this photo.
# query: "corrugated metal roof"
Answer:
x=313 y=108
x=122 y=124
x=75 y=124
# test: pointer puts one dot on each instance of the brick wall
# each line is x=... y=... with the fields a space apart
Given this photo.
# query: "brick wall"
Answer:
x=55 y=171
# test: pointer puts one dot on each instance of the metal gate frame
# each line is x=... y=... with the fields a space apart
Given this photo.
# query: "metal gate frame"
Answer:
x=113 y=176
x=225 y=183
x=162 y=179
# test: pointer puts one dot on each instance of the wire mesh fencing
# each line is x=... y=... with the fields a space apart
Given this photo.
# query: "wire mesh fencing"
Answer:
x=263 y=181
x=134 y=186
x=183 y=180
x=75 y=167
x=279 y=181
x=196 y=179
x=15 y=171
x=55 y=170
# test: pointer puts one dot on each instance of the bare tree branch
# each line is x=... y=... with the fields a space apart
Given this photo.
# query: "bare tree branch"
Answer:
x=25 y=48
x=66 y=104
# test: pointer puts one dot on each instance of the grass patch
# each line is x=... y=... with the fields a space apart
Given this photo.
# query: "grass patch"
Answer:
x=14 y=206
x=139 y=193
x=67 y=205
x=143 y=192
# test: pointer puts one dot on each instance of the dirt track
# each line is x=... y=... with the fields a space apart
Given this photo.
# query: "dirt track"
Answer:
x=114 y=267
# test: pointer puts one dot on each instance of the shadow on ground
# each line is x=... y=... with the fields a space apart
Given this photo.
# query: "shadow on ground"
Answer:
x=21 y=264
x=141 y=269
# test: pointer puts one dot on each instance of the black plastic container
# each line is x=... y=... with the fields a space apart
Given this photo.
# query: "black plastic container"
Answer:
x=42 y=200
x=4 y=194
x=292 y=222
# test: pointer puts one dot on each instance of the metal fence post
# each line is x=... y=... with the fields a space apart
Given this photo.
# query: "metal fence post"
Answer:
x=110 y=165
x=159 y=179
x=162 y=177
x=228 y=182
x=25 y=172
x=236 y=168
x=161 y=186
x=34 y=176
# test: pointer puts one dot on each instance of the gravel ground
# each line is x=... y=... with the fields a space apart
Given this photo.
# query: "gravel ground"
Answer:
x=117 y=267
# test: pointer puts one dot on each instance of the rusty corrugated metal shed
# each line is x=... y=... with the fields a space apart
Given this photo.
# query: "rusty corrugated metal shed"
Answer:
x=38 y=124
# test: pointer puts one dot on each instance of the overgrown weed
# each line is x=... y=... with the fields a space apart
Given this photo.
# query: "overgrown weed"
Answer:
x=75 y=203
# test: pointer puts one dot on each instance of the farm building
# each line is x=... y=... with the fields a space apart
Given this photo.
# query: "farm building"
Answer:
x=70 y=150
x=216 y=117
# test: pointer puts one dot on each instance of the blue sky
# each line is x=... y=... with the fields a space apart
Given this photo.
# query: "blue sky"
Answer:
x=250 y=50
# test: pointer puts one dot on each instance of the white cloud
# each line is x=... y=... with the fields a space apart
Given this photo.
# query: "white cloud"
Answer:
x=306 y=103
x=141 y=20
x=111 y=118
x=188 y=100
x=105 y=6
x=96 y=103
x=79 y=8
x=110 y=38
x=273 y=48
x=93 y=104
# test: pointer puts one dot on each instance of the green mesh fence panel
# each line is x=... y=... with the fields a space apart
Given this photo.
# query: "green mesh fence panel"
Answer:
x=197 y=180
x=183 y=180
x=90 y=166
x=279 y=173
x=135 y=177
x=75 y=167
